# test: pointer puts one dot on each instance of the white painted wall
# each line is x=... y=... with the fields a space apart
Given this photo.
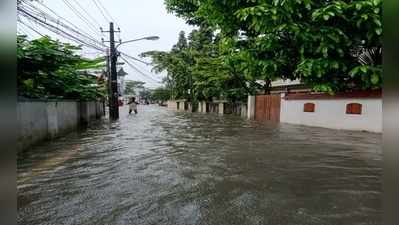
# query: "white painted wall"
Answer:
x=40 y=120
x=332 y=114
x=172 y=105
x=287 y=82
x=202 y=107
x=251 y=107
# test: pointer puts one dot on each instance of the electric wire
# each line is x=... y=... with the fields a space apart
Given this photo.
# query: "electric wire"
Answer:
x=21 y=30
x=47 y=17
x=64 y=34
x=101 y=11
x=59 y=17
x=105 y=10
x=107 y=16
x=146 y=70
x=139 y=71
x=57 y=30
x=30 y=27
x=90 y=16
x=83 y=18
x=134 y=58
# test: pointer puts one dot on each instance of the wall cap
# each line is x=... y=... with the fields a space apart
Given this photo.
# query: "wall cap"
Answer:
x=375 y=94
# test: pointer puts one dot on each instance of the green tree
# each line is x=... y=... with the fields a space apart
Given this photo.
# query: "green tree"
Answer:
x=131 y=86
x=51 y=69
x=315 y=41
x=177 y=63
x=160 y=94
x=145 y=94
x=196 y=69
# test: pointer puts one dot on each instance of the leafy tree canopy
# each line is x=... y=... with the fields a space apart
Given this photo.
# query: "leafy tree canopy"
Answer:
x=196 y=69
x=131 y=87
x=160 y=94
x=321 y=42
x=51 y=69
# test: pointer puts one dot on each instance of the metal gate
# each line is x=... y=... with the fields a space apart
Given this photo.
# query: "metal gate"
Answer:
x=267 y=108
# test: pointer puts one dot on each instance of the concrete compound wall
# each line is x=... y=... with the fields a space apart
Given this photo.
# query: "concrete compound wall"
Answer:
x=251 y=107
x=179 y=105
x=172 y=105
x=331 y=113
x=219 y=107
x=41 y=120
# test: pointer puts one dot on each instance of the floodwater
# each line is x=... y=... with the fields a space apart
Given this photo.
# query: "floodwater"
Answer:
x=165 y=167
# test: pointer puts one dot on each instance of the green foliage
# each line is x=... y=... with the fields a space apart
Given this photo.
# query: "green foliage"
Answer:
x=177 y=63
x=196 y=69
x=160 y=94
x=145 y=94
x=51 y=69
x=131 y=86
x=313 y=40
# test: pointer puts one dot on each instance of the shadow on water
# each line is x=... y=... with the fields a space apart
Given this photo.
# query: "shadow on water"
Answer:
x=164 y=167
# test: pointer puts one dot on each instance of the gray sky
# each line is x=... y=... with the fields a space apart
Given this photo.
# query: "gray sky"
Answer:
x=136 y=18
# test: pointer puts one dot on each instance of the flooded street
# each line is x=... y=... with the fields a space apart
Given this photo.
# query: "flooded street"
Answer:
x=165 y=167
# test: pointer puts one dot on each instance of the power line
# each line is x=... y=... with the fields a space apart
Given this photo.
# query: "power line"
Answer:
x=107 y=16
x=30 y=27
x=83 y=18
x=21 y=22
x=105 y=10
x=57 y=30
x=84 y=10
x=134 y=58
x=139 y=71
x=21 y=30
x=147 y=71
x=101 y=11
x=60 y=32
x=48 y=18
x=59 y=17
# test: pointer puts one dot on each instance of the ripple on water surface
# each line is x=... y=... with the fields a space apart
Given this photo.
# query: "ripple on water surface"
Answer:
x=164 y=167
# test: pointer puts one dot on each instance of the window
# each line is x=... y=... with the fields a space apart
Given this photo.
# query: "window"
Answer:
x=308 y=107
x=354 y=108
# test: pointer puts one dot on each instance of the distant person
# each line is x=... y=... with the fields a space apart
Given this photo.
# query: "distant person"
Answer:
x=132 y=105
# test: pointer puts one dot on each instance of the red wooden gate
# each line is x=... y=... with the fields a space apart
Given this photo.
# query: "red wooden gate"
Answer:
x=267 y=107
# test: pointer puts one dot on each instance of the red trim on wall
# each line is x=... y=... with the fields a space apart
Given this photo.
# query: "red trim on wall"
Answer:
x=354 y=108
x=341 y=95
x=309 y=107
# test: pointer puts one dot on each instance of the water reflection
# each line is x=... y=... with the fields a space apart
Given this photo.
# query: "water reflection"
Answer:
x=163 y=167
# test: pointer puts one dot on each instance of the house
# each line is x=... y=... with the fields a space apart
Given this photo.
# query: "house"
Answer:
x=292 y=102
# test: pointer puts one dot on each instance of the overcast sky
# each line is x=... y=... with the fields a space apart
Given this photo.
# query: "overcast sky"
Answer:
x=136 y=18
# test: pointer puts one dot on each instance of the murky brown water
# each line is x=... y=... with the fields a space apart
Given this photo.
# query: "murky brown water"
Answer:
x=163 y=167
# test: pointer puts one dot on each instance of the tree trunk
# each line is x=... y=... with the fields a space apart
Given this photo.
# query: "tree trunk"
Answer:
x=267 y=86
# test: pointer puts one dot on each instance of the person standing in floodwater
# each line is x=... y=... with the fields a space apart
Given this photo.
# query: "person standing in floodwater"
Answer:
x=132 y=105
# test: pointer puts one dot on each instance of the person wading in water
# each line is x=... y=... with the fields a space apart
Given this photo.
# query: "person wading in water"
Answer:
x=132 y=105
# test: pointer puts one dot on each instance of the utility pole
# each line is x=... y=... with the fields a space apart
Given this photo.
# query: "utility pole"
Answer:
x=109 y=81
x=112 y=59
x=113 y=77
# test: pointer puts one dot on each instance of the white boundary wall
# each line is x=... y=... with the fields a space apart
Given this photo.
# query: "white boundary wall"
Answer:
x=172 y=105
x=41 y=120
x=251 y=107
x=331 y=113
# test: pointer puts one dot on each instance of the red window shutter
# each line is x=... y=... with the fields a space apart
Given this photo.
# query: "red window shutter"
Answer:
x=354 y=108
x=308 y=107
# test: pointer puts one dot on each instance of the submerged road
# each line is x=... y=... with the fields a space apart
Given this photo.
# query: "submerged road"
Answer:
x=165 y=167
